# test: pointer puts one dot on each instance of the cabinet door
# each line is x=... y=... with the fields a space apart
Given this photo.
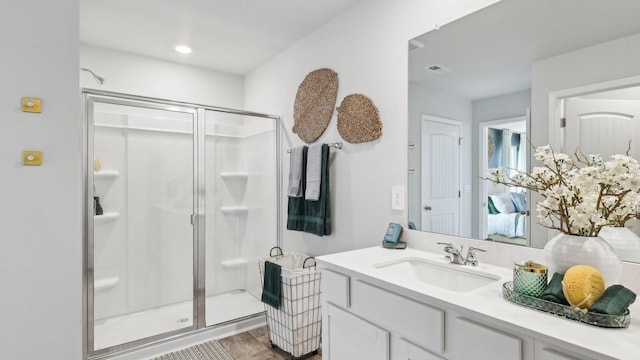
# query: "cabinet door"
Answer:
x=350 y=337
x=480 y=342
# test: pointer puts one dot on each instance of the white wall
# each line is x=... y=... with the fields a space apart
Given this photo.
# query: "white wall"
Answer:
x=41 y=222
x=367 y=47
x=438 y=103
x=145 y=76
x=501 y=107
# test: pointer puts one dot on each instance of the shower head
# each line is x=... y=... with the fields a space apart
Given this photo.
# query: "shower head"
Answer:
x=99 y=79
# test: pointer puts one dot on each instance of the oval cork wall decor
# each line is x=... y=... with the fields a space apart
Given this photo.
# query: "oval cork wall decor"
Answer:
x=358 y=119
x=313 y=107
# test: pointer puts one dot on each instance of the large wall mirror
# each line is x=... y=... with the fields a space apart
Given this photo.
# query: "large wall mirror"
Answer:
x=486 y=88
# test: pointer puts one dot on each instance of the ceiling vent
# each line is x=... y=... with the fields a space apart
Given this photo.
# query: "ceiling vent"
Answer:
x=438 y=69
x=415 y=45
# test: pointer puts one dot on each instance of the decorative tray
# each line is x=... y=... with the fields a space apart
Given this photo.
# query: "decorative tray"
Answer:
x=567 y=312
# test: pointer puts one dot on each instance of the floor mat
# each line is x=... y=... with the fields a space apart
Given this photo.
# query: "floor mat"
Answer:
x=211 y=350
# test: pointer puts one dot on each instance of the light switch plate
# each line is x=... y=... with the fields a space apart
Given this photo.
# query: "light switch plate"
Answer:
x=32 y=105
x=32 y=158
x=397 y=197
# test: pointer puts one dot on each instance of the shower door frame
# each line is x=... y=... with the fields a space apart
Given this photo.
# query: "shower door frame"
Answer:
x=89 y=97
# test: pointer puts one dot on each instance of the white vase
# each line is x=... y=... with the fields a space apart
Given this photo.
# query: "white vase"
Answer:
x=624 y=241
x=564 y=251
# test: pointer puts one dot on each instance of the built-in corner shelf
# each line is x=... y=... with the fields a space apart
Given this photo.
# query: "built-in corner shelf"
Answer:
x=234 y=263
x=234 y=175
x=105 y=284
x=106 y=174
x=106 y=217
x=234 y=210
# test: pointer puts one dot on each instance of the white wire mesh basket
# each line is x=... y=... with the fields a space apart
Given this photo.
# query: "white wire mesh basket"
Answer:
x=297 y=325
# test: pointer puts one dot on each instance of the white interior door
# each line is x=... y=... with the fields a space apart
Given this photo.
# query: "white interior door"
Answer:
x=602 y=127
x=440 y=175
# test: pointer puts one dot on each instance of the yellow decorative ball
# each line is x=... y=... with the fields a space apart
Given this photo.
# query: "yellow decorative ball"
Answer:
x=582 y=285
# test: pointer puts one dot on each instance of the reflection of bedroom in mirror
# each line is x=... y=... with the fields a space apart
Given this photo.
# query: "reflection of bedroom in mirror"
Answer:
x=504 y=145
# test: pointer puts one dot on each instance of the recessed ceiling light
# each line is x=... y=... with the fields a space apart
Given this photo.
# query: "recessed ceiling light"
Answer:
x=183 y=49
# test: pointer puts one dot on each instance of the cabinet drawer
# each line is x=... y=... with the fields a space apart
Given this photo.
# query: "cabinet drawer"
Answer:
x=335 y=288
x=480 y=342
x=421 y=324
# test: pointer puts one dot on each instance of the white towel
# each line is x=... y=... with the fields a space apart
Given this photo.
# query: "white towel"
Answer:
x=314 y=172
x=295 y=172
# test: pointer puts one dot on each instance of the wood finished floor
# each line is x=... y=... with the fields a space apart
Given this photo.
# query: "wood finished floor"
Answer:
x=254 y=345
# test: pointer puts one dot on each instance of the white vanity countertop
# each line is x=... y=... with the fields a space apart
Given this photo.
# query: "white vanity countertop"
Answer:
x=488 y=301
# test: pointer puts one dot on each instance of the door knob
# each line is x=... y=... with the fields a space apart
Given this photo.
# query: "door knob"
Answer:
x=427 y=207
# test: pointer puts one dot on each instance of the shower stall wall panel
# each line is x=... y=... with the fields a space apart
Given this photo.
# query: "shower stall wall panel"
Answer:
x=262 y=232
x=226 y=215
x=160 y=246
x=110 y=240
x=238 y=229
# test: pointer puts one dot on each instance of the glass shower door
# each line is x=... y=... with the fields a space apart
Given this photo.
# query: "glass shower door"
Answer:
x=241 y=224
x=141 y=239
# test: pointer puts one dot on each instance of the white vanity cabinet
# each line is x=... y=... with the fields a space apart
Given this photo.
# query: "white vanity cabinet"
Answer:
x=363 y=319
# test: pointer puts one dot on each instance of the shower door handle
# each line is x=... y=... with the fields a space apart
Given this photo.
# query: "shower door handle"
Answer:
x=192 y=219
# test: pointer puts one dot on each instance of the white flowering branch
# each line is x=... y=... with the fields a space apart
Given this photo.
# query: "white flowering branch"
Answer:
x=581 y=196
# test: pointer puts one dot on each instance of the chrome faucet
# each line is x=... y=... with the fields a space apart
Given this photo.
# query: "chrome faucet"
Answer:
x=455 y=256
x=471 y=256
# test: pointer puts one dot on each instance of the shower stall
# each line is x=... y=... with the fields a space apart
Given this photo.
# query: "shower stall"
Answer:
x=181 y=200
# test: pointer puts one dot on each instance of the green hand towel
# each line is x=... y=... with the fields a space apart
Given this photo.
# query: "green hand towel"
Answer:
x=307 y=215
x=615 y=301
x=271 y=284
x=553 y=291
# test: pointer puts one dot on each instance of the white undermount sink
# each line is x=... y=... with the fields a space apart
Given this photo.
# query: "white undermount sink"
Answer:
x=452 y=277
